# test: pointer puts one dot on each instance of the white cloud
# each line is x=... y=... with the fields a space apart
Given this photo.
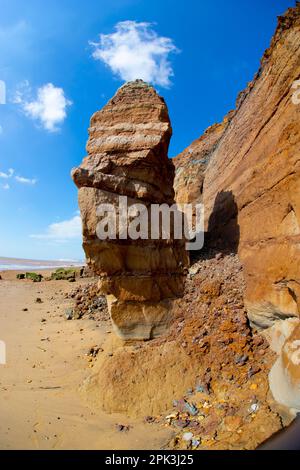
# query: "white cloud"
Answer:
x=23 y=180
x=49 y=107
x=134 y=51
x=9 y=174
x=1 y=129
x=62 y=231
x=20 y=179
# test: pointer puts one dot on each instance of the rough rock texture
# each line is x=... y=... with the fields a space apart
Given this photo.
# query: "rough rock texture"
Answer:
x=255 y=174
x=88 y=303
x=251 y=188
x=127 y=156
x=284 y=376
x=190 y=165
x=207 y=375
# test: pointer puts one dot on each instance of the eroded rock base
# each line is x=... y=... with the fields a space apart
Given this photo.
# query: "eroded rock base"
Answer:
x=139 y=320
x=208 y=373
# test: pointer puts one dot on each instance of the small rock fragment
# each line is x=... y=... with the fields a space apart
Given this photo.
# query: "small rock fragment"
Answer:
x=187 y=436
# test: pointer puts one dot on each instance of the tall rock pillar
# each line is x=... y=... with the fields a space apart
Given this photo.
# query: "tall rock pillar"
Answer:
x=128 y=156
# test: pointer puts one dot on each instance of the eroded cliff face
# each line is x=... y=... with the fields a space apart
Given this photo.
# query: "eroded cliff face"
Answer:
x=128 y=156
x=251 y=194
x=190 y=165
x=257 y=163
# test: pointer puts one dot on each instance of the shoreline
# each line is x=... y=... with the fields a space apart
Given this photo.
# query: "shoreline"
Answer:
x=22 y=264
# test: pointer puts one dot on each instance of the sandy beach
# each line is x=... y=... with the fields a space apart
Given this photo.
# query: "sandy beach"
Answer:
x=41 y=405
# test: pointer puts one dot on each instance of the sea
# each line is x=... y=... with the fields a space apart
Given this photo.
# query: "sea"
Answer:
x=28 y=264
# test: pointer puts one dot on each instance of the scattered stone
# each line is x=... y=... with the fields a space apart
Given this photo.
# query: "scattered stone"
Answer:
x=149 y=419
x=241 y=359
x=194 y=270
x=181 y=423
x=94 y=350
x=122 y=427
x=69 y=313
x=232 y=423
x=88 y=302
x=254 y=369
x=172 y=416
x=254 y=407
x=191 y=409
x=187 y=436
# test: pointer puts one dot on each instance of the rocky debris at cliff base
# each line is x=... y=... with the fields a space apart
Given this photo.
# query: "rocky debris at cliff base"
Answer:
x=230 y=406
x=210 y=367
x=87 y=303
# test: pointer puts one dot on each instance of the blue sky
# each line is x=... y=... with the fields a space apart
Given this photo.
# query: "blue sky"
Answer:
x=57 y=72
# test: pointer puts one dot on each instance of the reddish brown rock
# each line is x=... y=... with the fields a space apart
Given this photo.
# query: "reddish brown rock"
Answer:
x=249 y=169
x=128 y=156
x=251 y=184
x=190 y=165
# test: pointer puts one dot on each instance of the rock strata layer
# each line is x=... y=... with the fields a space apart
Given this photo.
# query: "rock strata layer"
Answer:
x=251 y=191
x=128 y=156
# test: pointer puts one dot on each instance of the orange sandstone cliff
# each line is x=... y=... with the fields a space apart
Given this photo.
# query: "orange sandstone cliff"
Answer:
x=247 y=173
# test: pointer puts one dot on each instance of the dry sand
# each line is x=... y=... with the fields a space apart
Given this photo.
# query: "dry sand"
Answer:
x=41 y=406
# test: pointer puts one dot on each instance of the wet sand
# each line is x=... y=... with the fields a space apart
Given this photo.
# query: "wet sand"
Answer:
x=41 y=406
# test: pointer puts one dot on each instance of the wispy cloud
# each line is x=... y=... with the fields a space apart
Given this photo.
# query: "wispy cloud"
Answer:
x=20 y=179
x=134 y=51
x=23 y=180
x=9 y=174
x=49 y=107
x=62 y=231
x=5 y=186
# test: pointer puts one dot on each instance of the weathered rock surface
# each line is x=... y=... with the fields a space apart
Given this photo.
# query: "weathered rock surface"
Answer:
x=207 y=375
x=128 y=156
x=284 y=338
x=255 y=174
x=251 y=187
x=190 y=165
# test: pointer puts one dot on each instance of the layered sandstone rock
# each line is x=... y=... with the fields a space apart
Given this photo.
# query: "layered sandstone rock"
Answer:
x=246 y=171
x=128 y=156
x=252 y=183
x=251 y=188
x=190 y=165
